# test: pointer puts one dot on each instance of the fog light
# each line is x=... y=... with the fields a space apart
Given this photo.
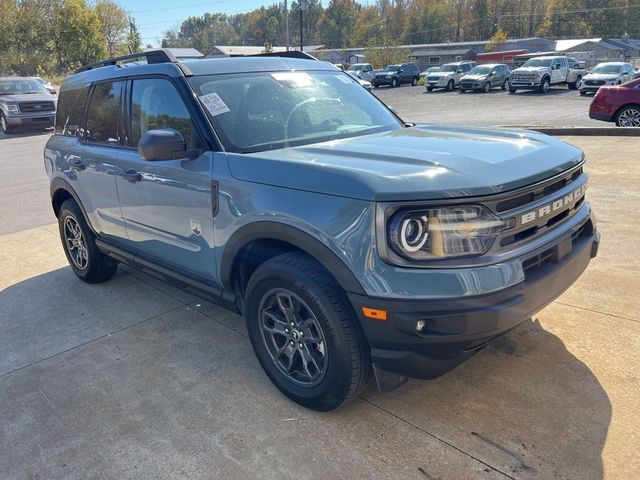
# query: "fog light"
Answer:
x=420 y=325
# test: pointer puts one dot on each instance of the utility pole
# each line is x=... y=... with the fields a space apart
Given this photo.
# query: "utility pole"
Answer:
x=286 y=25
x=303 y=7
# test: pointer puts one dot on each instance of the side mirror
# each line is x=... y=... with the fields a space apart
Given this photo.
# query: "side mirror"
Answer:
x=162 y=144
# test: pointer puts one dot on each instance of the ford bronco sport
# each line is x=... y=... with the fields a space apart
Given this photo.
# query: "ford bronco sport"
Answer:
x=352 y=242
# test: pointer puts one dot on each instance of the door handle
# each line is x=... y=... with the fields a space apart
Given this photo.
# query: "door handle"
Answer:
x=77 y=165
x=131 y=176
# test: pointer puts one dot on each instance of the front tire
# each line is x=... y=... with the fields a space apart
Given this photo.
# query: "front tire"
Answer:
x=6 y=128
x=505 y=85
x=544 y=86
x=628 y=116
x=415 y=81
x=512 y=90
x=583 y=92
x=78 y=243
x=429 y=89
x=305 y=334
x=451 y=85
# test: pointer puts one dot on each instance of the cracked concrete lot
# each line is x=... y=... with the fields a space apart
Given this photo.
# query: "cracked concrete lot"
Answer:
x=133 y=379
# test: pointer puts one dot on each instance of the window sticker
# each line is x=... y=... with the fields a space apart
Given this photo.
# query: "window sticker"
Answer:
x=214 y=104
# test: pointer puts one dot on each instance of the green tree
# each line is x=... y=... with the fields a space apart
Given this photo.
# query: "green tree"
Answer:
x=496 y=41
x=134 y=41
x=114 y=26
x=385 y=52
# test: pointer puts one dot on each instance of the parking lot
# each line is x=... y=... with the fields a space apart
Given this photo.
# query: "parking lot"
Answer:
x=135 y=379
x=560 y=107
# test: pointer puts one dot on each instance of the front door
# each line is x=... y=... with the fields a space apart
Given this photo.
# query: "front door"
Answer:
x=167 y=205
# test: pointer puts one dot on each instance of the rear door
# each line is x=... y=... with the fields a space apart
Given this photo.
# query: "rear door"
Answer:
x=92 y=156
x=167 y=205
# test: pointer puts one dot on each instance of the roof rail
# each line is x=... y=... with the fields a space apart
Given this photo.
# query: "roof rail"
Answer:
x=161 y=55
x=286 y=54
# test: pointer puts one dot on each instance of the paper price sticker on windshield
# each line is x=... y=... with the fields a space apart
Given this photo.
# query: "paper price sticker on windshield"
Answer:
x=214 y=104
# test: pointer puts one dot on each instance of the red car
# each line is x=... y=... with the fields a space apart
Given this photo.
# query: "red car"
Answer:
x=617 y=103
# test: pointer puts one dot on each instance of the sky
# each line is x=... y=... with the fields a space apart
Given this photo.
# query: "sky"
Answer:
x=154 y=18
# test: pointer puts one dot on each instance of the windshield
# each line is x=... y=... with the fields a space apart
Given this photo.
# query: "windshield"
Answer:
x=265 y=111
x=449 y=68
x=538 y=62
x=606 y=69
x=480 y=70
x=392 y=68
x=20 y=86
x=356 y=67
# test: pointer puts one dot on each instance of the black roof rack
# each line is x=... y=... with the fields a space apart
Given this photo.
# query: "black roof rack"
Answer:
x=161 y=55
x=286 y=54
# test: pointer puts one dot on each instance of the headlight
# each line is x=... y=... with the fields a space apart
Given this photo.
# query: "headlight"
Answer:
x=433 y=233
x=389 y=75
x=12 y=109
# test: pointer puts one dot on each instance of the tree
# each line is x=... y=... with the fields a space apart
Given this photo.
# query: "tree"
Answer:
x=114 y=25
x=385 y=52
x=496 y=41
x=134 y=41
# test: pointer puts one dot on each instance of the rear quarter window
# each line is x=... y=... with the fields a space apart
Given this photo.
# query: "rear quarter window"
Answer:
x=69 y=114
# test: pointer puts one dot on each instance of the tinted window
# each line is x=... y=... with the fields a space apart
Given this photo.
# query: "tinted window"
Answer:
x=103 y=114
x=155 y=104
x=70 y=109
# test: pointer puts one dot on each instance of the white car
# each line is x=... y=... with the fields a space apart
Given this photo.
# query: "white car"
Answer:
x=448 y=76
x=609 y=73
x=362 y=82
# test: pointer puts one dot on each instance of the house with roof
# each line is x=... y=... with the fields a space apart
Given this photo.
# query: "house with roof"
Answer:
x=605 y=49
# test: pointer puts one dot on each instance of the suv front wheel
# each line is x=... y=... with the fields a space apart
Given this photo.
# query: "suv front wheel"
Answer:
x=78 y=242
x=6 y=128
x=305 y=333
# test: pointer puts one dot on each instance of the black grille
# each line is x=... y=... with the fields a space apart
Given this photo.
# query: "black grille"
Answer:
x=530 y=197
x=594 y=82
x=36 y=107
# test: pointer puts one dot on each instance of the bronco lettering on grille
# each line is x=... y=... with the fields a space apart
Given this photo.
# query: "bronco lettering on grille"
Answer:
x=569 y=199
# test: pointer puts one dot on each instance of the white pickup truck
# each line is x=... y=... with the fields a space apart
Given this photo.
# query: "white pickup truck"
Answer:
x=540 y=73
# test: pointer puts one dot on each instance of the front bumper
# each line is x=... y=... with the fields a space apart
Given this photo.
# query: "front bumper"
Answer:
x=378 y=81
x=456 y=329
x=524 y=84
x=440 y=83
x=43 y=120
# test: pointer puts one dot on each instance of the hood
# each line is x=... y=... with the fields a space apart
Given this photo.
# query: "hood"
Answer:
x=530 y=69
x=384 y=74
x=417 y=163
x=442 y=74
x=31 y=97
x=475 y=77
x=601 y=76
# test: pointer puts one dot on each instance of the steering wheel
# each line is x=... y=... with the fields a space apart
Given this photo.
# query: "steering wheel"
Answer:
x=308 y=101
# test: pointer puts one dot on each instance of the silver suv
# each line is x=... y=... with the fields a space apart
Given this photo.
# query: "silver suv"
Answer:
x=448 y=76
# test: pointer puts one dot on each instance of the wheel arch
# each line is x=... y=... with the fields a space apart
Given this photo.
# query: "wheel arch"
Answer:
x=61 y=191
x=614 y=117
x=257 y=242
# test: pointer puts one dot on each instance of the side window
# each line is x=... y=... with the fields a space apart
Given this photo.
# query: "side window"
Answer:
x=70 y=109
x=103 y=114
x=155 y=103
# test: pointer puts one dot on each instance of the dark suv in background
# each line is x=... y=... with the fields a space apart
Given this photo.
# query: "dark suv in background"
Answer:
x=24 y=102
x=396 y=75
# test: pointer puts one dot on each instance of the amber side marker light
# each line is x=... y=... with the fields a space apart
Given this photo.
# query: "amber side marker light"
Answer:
x=374 y=313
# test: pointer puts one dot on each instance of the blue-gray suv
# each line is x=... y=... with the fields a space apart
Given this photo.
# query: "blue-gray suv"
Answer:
x=354 y=244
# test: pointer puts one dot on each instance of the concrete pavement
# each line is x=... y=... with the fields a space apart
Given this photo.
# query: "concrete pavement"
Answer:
x=135 y=379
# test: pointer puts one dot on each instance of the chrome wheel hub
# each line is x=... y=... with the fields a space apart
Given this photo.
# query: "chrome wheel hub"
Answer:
x=629 y=118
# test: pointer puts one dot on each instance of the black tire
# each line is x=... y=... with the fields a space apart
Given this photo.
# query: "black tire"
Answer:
x=415 y=81
x=544 y=86
x=628 y=116
x=429 y=89
x=583 y=92
x=394 y=82
x=6 y=128
x=451 y=85
x=343 y=364
x=462 y=90
x=487 y=87
x=505 y=85
x=96 y=267
x=512 y=90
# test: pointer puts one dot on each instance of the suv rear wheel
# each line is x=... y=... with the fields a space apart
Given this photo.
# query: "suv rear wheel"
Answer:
x=305 y=333
x=78 y=242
